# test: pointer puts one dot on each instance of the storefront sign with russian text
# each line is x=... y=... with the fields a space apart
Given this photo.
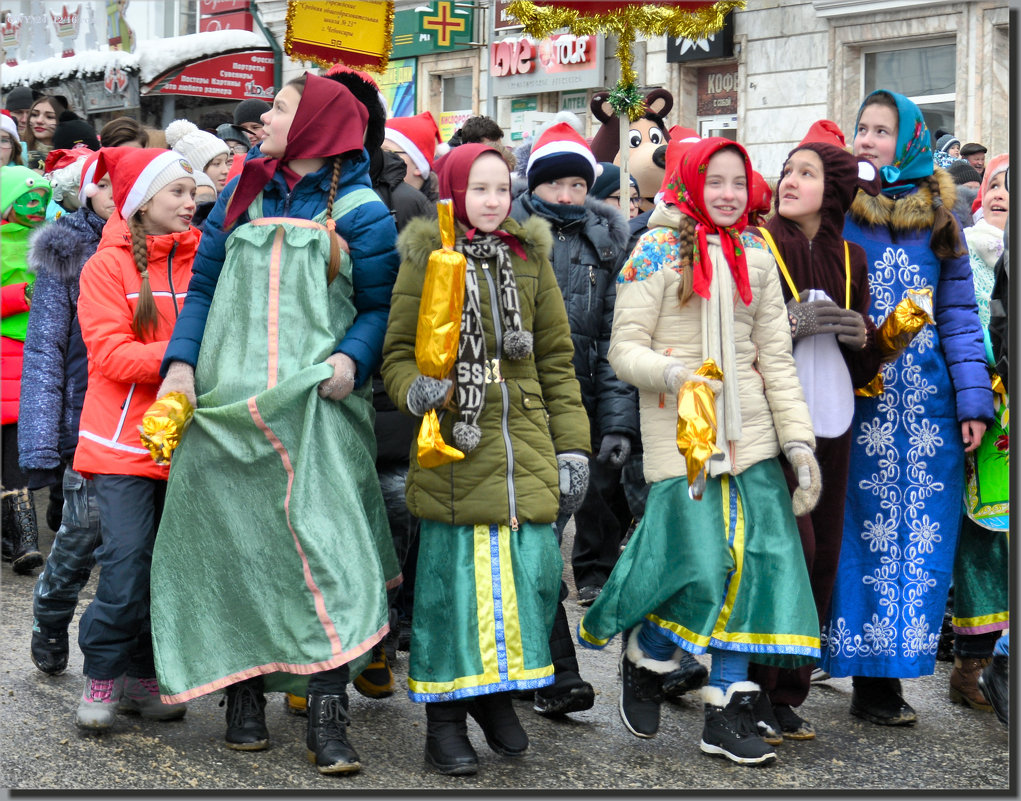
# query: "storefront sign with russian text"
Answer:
x=236 y=76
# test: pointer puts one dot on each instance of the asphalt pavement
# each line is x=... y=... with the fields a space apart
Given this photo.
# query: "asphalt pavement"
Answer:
x=951 y=749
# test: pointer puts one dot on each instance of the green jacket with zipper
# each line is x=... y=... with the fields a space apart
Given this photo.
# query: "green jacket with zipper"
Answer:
x=533 y=414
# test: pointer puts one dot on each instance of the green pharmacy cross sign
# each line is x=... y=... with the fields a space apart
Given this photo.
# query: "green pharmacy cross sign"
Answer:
x=432 y=27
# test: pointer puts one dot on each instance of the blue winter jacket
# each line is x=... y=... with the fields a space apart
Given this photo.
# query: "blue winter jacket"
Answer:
x=55 y=371
x=369 y=232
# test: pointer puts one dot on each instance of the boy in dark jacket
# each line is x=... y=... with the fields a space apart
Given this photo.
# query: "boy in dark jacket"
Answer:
x=588 y=249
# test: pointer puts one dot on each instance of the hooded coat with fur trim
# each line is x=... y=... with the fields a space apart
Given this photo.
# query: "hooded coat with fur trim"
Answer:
x=528 y=418
x=587 y=256
x=55 y=372
x=906 y=222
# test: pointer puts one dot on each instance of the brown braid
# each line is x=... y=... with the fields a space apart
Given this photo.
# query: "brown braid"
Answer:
x=334 y=265
x=945 y=241
x=146 y=314
x=686 y=235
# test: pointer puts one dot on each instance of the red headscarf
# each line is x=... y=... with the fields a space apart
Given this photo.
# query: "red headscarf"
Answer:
x=685 y=189
x=453 y=183
x=329 y=121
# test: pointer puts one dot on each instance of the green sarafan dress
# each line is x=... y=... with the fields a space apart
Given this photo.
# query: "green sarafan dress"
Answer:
x=273 y=555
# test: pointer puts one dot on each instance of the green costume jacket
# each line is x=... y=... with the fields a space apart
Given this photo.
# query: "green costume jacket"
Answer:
x=528 y=418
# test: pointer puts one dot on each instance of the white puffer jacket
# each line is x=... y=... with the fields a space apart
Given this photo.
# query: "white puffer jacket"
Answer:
x=651 y=331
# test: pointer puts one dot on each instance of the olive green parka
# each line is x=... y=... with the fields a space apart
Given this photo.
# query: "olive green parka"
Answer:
x=534 y=413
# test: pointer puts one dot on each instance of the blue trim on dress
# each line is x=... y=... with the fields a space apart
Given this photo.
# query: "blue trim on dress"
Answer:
x=501 y=633
x=483 y=689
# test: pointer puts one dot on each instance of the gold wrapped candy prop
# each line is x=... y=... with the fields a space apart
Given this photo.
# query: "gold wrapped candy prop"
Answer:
x=439 y=331
x=163 y=425
x=696 y=426
x=895 y=333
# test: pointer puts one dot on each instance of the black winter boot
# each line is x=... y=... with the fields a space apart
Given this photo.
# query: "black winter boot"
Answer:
x=641 y=687
x=7 y=526
x=569 y=692
x=447 y=747
x=246 y=716
x=995 y=685
x=730 y=729
x=690 y=674
x=25 y=533
x=495 y=714
x=878 y=700
x=326 y=740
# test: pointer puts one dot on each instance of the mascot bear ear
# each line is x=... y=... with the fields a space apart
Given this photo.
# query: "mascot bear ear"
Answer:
x=659 y=102
x=601 y=108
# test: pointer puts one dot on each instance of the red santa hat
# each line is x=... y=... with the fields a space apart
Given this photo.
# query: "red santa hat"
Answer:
x=558 y=153
x=683 y=134
x=760 y=196
x=138 y=173
x=9 y=125
x=87 y=188
x=417 y=136
x=825 y=132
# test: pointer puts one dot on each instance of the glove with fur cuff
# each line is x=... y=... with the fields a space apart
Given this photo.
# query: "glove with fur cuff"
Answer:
x=806 y=496
x=180 y=378
x=573 y=469
x=426 y=393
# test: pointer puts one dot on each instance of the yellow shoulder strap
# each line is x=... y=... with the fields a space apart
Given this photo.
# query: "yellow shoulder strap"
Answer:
x=847 y=271
x=783 y=267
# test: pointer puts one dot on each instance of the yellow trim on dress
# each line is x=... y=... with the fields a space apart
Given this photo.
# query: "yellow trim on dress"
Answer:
x=981 y=620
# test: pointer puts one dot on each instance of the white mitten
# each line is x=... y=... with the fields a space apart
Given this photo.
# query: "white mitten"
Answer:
x=806 y=496
x=339 y=385
x=180 y=378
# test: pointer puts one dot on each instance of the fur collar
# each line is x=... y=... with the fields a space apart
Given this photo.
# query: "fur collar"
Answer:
x=911 y=212
x=61 y=248
x=421 y=236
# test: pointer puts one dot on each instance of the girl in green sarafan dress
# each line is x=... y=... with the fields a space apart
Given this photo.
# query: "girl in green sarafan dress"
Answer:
x=725 y=573
x=273 y=558
x=489 y=566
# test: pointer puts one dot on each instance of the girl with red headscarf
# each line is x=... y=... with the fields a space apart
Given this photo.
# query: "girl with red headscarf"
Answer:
x=489 y=566
x=274 y=555
x=723 y=574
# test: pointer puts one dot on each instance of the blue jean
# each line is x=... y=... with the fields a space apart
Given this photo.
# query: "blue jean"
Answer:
x=114 y=633
x=72 y=556
x=728 y=667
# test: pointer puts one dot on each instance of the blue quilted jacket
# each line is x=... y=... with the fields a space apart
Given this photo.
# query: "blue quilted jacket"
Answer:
x=369 y=231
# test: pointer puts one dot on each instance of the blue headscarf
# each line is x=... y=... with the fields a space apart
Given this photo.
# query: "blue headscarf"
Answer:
x=913 y=155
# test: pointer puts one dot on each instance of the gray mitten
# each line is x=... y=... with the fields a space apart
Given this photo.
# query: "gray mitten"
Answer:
x=676 y=374
x=614 y=449
x=180 y=378
x=852 y=333
x=806 y=496
x=427 y=393
x=573 y=481
x=812 y=317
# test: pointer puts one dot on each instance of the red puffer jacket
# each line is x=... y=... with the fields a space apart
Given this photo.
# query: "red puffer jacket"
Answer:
x=124 y=370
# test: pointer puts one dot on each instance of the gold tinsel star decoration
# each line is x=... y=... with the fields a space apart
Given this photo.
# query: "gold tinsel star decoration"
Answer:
x=625 y=20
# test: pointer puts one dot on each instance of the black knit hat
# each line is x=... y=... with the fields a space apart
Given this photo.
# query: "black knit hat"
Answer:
x=962 y=172
x=72 y=130
x=20 y=98
x=250 y=111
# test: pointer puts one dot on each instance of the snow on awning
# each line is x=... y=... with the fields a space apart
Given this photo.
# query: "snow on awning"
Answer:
x=152 y=58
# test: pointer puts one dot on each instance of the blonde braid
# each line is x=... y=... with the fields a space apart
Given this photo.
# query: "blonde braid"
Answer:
x=146 y=314
x=334 y=265
x=686 y=235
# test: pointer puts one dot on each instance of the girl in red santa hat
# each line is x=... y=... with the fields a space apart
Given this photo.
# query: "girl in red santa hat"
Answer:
x=131 y=291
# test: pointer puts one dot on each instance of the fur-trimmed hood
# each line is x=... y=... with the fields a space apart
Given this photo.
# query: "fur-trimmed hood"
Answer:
x=62 y=247
x=911 y=212
x=620 y=233
x=422 y=236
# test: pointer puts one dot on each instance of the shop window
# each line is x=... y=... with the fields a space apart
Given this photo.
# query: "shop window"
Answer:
x=926 y=75
x=457 y=92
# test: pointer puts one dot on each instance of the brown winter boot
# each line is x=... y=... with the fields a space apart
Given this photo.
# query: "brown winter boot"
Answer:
x=964 y=683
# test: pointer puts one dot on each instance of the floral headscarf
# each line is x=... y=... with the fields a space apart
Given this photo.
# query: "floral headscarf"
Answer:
x=913 y=155
x=685 y=189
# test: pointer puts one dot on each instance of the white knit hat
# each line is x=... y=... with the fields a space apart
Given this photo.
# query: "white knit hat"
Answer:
x=196 y=145
x=10 y=125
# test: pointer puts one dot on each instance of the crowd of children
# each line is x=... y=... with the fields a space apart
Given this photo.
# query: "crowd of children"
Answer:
x=823 y=531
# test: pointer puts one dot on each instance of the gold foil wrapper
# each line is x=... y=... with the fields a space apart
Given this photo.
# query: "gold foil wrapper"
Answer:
x=439 y=330
x=895 y=333
x=163 y=425
x=904 y=322
x=696 y=426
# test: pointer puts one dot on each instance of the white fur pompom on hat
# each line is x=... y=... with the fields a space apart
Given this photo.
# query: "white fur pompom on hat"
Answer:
x=197 y=146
